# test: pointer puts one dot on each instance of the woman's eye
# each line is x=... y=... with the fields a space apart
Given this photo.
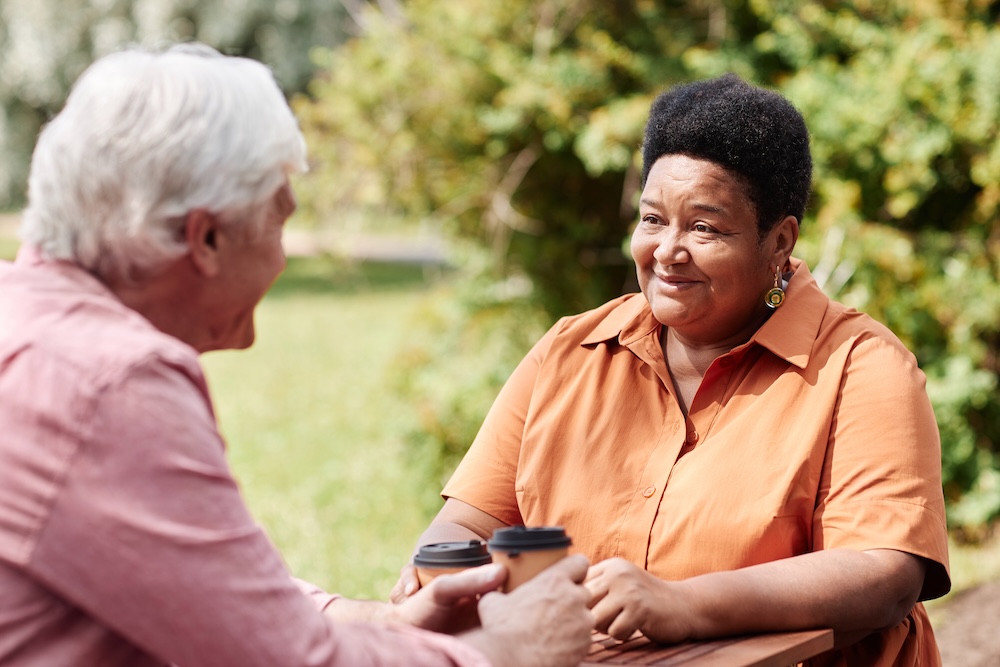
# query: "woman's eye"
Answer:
x=651 y=220
x=702 y=227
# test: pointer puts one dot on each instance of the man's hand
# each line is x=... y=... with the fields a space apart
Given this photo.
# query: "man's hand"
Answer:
x=626 y=598
x=448 y=603
x=543 y=623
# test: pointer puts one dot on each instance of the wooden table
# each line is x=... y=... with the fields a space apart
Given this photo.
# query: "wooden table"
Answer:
x=769 y=650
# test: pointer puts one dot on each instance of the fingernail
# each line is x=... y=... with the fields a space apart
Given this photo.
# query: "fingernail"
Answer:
x=410 y=588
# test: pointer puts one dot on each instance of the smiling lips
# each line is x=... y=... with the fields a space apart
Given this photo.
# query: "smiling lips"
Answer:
x=677 y=282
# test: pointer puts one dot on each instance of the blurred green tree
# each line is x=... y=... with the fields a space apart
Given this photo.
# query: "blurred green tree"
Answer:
x=903 y=102
x=46 y=44
x=511 y=127
x=512 y=124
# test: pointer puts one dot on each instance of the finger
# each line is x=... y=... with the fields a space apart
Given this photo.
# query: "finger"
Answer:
x=597 y=589
x=488 y=601
x=407 y=585
x=574 y=566
x=622 y=627
x=605 y=612
x=595 y=571
x=468 y=583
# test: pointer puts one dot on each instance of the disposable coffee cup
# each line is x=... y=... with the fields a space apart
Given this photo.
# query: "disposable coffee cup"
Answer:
x=433 y=560
x=527 y=551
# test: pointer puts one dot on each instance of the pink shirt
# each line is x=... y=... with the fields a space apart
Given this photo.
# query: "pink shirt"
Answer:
x=123 y=536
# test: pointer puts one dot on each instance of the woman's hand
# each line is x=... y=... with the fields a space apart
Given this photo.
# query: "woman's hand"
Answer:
x=625 y=598
x=407 y=585
x=853 y=592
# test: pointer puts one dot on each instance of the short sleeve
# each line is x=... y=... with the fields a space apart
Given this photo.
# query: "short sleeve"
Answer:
x=881 y=480
x=486 y=476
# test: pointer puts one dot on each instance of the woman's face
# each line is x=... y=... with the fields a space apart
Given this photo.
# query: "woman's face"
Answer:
x=698 y=259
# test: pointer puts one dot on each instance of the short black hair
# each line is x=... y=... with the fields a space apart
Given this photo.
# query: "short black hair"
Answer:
x=754 y=133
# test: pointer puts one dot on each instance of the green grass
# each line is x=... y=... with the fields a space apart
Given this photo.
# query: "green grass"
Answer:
x=8 y=248
x=314 y=437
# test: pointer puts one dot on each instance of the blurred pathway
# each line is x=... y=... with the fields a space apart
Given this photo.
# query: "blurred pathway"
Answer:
x=966 y=631
x=423 y=250
x=8 y=225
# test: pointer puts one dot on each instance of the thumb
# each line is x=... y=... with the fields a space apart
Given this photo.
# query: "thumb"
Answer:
x=574 y=566
x=474 y=581
x=407 y=585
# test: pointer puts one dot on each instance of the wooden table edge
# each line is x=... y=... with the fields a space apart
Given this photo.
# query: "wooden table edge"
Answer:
x=765 y=650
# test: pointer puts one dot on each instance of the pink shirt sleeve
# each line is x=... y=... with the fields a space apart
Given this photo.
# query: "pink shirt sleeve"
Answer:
x=149 y=535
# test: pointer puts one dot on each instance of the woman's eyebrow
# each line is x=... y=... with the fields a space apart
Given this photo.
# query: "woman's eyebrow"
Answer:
x=710 y=208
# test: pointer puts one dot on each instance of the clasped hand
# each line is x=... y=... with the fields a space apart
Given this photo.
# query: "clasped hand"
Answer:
x=544 y=622
x=625 y=598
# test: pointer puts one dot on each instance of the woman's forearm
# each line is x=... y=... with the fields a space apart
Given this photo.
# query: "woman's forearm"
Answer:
x=458 y=521
x=853 y=592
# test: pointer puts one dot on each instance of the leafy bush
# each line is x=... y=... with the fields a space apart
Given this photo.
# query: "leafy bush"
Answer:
x=466 y=339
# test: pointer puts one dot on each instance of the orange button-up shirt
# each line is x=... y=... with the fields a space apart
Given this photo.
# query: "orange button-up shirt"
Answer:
x=815 y=434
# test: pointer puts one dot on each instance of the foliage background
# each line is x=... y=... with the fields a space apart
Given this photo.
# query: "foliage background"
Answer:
x=511 y=129
x=514 y=127
x=46 y=44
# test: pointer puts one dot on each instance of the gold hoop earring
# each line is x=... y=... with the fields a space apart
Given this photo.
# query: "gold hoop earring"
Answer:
x=775 y=296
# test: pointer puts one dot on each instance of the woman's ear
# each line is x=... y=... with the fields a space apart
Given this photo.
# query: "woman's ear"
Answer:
x=200 y=232
x=785 y=234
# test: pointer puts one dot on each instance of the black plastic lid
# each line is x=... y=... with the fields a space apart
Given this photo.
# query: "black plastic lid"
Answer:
x=453 y=554
x=522 y=538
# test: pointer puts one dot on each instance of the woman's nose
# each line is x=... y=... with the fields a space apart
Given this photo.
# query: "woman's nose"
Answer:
x=670 y=248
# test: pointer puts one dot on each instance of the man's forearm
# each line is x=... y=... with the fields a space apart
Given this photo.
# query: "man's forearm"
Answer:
x=346 y=610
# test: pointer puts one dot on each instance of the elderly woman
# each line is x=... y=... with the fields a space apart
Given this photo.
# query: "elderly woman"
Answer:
x=739 y=452
x=157 y=201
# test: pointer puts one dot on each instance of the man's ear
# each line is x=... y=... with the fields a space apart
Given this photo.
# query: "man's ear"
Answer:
x=200 y=235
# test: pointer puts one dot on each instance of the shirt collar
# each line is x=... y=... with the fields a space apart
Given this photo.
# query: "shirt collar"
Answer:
x=789 y=333
x=30 y=256
x=630 y=320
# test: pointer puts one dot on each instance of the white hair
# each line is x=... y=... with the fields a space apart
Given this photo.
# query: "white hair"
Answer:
x=145 y=138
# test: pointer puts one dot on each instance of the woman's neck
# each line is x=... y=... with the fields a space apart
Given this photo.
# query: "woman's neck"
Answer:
x=688 y=360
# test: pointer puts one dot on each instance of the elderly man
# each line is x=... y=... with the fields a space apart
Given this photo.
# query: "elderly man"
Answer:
x=157 y=199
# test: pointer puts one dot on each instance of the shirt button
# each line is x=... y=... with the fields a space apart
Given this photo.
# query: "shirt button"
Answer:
x=692 y=437
x=648 y=491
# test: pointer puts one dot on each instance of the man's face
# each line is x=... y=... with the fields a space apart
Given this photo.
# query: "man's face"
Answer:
x=250 y=262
